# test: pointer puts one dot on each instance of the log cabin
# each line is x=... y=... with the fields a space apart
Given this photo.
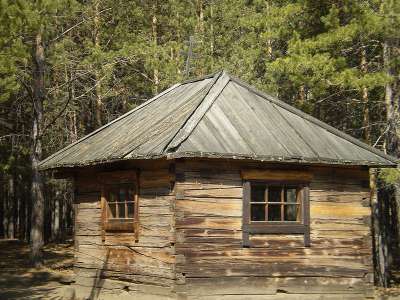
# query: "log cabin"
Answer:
x=215 y=190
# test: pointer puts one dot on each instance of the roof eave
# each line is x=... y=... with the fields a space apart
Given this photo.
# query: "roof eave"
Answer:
x=284 y=159
x=233 y=156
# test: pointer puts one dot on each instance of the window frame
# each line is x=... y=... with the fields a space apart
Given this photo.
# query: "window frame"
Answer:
x=117 y=223
x=281 y=203
x=109 y=181
x=276 y=227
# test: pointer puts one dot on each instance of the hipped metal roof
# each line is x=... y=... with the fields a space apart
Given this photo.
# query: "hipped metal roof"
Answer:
x=218 y=116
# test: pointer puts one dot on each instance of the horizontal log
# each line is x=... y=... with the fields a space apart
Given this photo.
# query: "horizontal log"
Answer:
x=123 y=276
x=272 y=286
x=196 y=232
x=155 y=191
x=284 y=296
x=209 y=176
x=210 y=223
x=271 y=253
x=155 y=210
x=275 y=229
x=117 y=286
x=157 y=182
x=332 y=210
x=155 y=201
x=215 y=193
x=268 y=243
x=337 y=187
x=211 y=185
x=227 y=208
x=278 y=269
x=279 y=175
x=339 y=197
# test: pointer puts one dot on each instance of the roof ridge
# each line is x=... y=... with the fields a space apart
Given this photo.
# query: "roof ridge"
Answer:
x=314 y=120
x=221 y=79
x=211 y=75
x=110 y=123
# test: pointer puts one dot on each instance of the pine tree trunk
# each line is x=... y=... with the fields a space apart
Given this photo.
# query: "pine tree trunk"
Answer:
x=36 y=154
x=8 y=208
x=22 y=209
x=392 y=101
x=63 y=218
x=11 y=207
x=392 y=143
x=211 y=34
x=379 y=236
x=97 y=82
x=302 y=95
x=155 y=45
x=269 y=41
x=18 y=204
x=55 y=226
x=200 y=40
x=365 y=99
x=385 y=218
x=2 y=204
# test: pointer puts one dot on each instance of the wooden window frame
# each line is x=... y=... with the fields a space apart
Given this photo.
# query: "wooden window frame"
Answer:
x=116 y=223
x=112 y=180
x=276 y=227
x=282 y=203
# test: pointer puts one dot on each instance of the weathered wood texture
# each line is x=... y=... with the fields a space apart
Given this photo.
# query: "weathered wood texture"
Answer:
x=211 y=262
x=116 y=256
x=190 y=243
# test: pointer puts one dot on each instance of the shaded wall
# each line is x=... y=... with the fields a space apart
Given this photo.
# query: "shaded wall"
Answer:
x=119 y=263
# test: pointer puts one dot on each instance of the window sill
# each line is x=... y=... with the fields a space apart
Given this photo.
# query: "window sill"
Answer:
x=119 y=226
x=295 y=228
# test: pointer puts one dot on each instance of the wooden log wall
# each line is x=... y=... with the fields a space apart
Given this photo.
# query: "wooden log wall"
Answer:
x=119 y=263
x=212 y=264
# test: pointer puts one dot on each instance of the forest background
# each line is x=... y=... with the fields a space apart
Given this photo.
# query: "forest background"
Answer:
x=67 y=67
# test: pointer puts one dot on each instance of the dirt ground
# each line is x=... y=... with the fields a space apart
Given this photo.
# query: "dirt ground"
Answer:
x=18 y=280
x=392 y=293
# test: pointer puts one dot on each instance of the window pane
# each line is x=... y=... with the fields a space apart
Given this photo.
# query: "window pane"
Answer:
x=274 y=212
x=291 y=195
x=131 y=194
x=112 y=210
x=274 y=194
x=291 y=212
x=121 y=210
x=122 y=194
x=113 y=197
x=257 y=193
x=258 y=212
x=131 y=209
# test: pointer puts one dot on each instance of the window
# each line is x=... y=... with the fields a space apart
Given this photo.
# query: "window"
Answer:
x=120 y=202
x=275 y=207
x=275 y=203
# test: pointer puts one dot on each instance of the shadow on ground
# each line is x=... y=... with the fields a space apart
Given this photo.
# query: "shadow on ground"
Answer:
x=19 y=280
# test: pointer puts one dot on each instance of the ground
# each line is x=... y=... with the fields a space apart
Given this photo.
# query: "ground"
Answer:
x=18 y=280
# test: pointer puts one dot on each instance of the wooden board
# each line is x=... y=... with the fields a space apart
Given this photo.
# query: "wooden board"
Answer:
x=147 y=259
x=279 y=175
x=212 y=263
x=191 y=244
